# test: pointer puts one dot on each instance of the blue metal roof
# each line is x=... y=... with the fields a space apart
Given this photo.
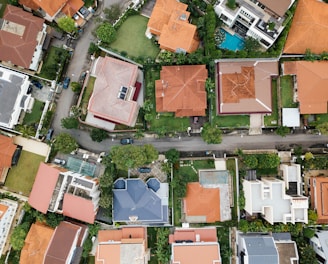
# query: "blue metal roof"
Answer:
x=154 y=184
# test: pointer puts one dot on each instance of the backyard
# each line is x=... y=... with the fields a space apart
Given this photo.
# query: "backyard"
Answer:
x=286 y=84
x=231 y=121
x=272 y=119
x=20 y=178
x=131 y=38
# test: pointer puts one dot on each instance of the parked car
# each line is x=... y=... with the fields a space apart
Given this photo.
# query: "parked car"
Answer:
x=144 y=170
x=66 y=82
x=49 y=134
x=59 y=161
x=126 y=141
x=37 y=84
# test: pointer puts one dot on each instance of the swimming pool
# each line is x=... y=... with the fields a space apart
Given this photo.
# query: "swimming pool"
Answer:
x=232 y=42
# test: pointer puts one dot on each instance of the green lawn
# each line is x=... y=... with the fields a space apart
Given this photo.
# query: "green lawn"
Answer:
x=131 y=38
x=87 y=94
x=272 y=120
x=203 y=164
x=3 y=4
x=170 y=124
x=231 y=120
x=286 y=84
x=21 y=177
x=35 y=115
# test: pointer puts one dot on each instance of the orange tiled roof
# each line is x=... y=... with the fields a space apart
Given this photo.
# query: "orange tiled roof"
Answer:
x=309 y=29
x=72 y=7
x=43 y=187
x=7 y=150
x=319 y=198
x=169 y=20
x=244 y=87
x=201 y=201
x=36 y=244
x=79 y=208
x=16 y=48
x=51 y=7
x=207 y=234
x=312 y=83
x=111 y=253
x=181 y=89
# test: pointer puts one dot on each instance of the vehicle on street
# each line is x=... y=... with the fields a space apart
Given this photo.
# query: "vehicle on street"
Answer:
x=59 y=161
x=37 y=84
x=66 y=82
x=144 y=170
x=126 y=141
x=49 y=134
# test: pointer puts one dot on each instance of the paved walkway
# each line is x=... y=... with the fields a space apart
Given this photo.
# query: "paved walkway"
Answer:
x=33 y=146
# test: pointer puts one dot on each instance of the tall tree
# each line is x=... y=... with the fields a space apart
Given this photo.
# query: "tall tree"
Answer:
x=129 y=156
x=106 y=33
x=69 y=122
x=65 y=143
x=67 y=24
x=98 y=134
x=172 y=155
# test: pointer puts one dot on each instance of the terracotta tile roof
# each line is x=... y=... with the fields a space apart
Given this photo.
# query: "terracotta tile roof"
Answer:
x=43 y=187
x=319 y=198
x=312 y=83
x=181 y=89
x=19 y=48
x=111 y=252
x=79 y=208
x=169 y=20
x=72 y=7
x=207 y=234
x=7 y=150
x=309 y=23
x=63 y=241
x=207 y=253
x=245 y=86
x=36 y=244
x=203 y=202
x=51 y=7
x=278 y=6
x=111 y=75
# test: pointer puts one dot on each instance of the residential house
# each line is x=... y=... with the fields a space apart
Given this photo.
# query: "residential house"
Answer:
x=22 y=36
x=169 y=23
x=244 y=86
x=291 y=174
x=14 y=97
x=319 y=242
x=257 y=248
x=66 y=244
x=260 y=19
x=309 y=24
x=181 y=89
x=194 y=246
x=36 y=244
x=58 y=190
x=8 y=210
x=310 y=82
x=268 y=197
x=120 y=246
x=52 y=10
x=115 y=94
x=7 y=151
x=137 y=202
x=319 y=196
x=208 y=200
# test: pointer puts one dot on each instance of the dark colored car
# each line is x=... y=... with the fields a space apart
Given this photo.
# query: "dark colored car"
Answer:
x=126 y=141
x=37 y=84
x=66 y=82
x=144 y=170
x=49 y=134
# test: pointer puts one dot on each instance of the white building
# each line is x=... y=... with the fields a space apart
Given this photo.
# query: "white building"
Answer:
x=319 y=242
x=262 y=19
x=14 y=97
x=268 y=197
x=7 y=214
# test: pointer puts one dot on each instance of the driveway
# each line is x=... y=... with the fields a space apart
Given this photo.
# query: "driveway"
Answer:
x=147 y=9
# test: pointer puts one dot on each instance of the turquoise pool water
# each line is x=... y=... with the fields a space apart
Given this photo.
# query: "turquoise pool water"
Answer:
x=232 y=42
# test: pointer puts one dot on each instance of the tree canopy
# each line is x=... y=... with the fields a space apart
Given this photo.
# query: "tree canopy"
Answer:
x=98 y=134
x=172 y=155
x=211 y=134
x=131 y=156
x=106 y=33
x=65 y=143
x=69 y=122
x=67 y=24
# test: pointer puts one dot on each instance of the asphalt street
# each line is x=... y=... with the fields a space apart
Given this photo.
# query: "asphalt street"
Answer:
x=81 y=61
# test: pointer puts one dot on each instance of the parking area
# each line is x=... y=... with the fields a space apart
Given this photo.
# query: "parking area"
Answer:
x=156 y=172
